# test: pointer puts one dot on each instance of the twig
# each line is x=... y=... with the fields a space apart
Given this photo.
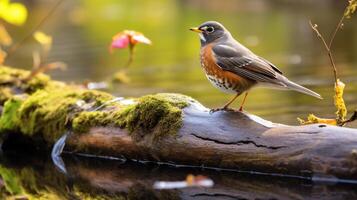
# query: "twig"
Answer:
x=339 y=25
x=34 y=29
x=327 y=48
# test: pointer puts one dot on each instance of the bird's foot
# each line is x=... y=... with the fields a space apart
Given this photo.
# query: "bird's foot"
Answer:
x=213 y=110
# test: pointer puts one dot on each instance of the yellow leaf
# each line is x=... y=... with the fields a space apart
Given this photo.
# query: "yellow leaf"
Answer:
x=13 y=13
x=43 y=39
x=351 y=8
x=5 y=38
x=312 y=119
x=341 y=112
x=3 y=6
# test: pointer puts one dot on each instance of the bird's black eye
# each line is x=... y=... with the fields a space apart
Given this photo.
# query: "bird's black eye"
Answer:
x=210 y=29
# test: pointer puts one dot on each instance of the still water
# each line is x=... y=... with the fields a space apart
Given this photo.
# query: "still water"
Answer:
x=277 y=30
x=92 y=178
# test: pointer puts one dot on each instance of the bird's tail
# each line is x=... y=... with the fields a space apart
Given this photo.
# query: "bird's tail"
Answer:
x=293 y=86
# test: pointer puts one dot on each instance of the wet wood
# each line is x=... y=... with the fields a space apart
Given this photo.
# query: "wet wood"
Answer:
x=235 y=140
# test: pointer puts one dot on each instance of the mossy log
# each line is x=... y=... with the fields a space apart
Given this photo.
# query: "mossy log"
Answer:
x=174 y=129
x=234 y=140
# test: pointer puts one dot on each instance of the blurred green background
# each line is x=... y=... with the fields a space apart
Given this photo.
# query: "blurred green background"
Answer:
x=277 y=30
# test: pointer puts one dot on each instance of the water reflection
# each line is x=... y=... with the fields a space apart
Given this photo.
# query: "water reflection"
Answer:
x=89 y=178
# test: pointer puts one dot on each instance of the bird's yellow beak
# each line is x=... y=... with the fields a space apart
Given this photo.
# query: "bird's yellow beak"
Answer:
x=195 y=29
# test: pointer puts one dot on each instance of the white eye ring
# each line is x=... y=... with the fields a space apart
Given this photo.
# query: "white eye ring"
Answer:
x=210 y=29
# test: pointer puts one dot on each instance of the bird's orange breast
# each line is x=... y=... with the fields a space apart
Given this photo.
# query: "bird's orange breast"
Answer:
x=222 y=79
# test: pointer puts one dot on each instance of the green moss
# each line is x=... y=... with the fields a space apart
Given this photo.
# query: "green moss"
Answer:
x=9 y=121
x=159 y=114
x=11 y=181
x=12 y=83
x=13 y=77
x=52 y=107
x=5 y=94
x=48 y=112
x=85 y=120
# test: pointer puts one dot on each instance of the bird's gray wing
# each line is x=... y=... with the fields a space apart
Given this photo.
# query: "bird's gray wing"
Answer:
x=271 y=65
x=245 y=64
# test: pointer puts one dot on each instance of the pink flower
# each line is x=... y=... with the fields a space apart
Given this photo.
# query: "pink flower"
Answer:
x=120 y=42
x=128 y=38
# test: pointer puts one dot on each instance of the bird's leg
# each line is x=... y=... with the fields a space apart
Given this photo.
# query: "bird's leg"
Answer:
x=241 y=106
x=225 y=107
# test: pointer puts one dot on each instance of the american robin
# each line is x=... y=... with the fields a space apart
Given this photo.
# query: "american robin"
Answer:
x=233 y=68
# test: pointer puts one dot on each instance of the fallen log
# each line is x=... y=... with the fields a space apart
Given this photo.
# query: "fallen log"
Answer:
x=174 y=129
x=234 y=140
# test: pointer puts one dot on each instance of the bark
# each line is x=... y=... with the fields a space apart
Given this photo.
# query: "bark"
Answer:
x=235 y=141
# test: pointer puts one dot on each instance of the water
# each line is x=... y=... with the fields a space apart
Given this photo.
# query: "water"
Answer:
x=93 y=178
x=277 y=30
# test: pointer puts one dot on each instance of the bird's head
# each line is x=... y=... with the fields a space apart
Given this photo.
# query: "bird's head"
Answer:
x=211 y=31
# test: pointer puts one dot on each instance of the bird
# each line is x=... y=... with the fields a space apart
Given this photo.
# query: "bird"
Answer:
x=233 y=68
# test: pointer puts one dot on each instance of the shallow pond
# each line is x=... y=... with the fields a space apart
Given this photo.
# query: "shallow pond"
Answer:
x=277 y=30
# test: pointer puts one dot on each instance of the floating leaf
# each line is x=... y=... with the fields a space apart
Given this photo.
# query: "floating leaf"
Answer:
x=13 y=13
x=5 y=38
x=341 y=112
x=351 y=8
x=44 y=39
x=312 y=119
